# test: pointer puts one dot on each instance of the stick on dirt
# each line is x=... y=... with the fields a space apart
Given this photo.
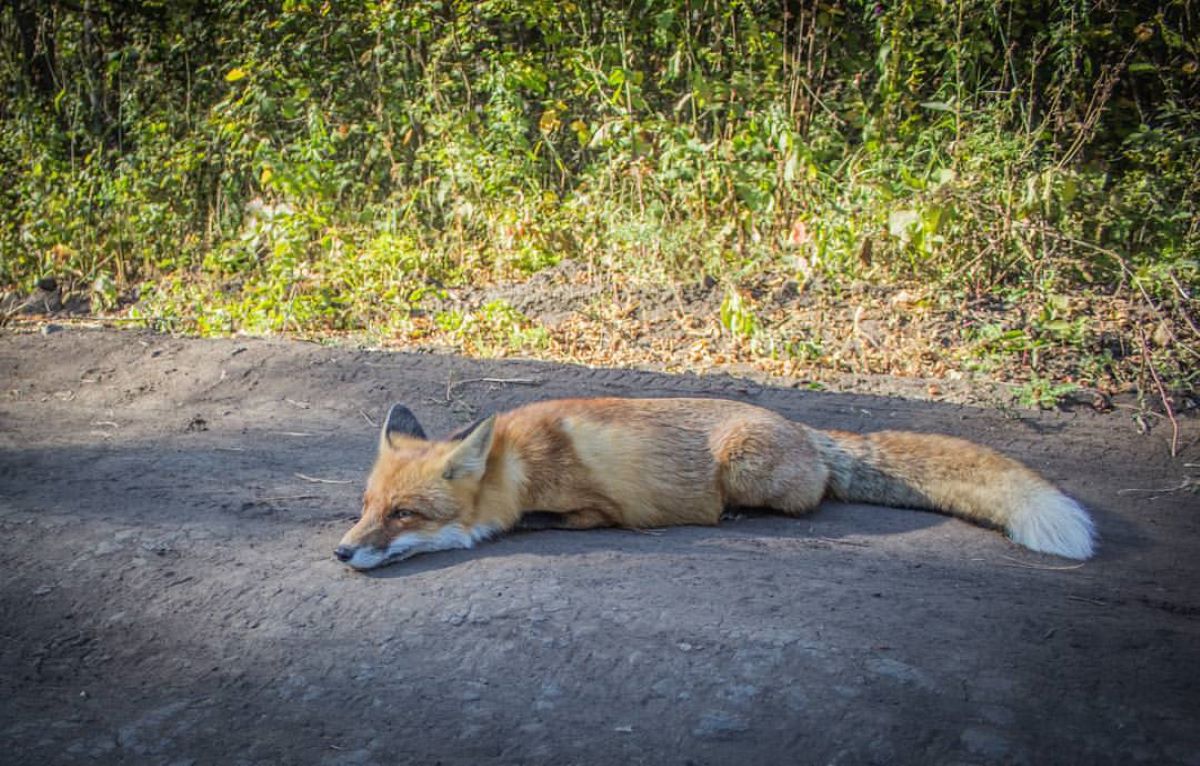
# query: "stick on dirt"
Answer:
x=1027 y=565
x=316 y=480
x=514 y=381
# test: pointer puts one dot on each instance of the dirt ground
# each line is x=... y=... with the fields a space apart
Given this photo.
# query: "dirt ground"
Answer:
x=169 y=508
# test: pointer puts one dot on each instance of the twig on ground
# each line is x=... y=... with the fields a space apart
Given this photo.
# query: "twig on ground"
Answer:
x=1027 y=565
x=450 y=386
x=367 y=418
x=279 y=498
x=1185 y=484
x=86 y=320
x=854 y=543
x=316 y=480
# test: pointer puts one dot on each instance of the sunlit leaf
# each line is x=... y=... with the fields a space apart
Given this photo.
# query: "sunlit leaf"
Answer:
x=549 y=121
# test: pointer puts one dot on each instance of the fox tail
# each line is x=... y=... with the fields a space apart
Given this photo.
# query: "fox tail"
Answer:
x=957 y=477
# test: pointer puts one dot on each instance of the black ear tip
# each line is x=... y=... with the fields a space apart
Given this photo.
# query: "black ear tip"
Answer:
x=402 y=422
x=470 y=428
x=400 y=410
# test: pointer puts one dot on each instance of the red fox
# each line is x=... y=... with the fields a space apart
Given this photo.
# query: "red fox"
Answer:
x=641 y=463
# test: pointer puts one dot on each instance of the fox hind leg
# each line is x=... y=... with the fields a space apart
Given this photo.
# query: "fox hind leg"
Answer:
x=771 y=464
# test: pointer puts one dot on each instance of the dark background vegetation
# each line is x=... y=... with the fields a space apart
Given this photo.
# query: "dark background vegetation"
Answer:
x=325 y=167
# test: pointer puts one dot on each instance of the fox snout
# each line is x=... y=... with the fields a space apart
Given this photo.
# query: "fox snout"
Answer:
x=359 y=556
x=449 y=537
x=362 y=557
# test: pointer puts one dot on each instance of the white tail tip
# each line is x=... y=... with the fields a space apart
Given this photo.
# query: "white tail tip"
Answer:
x=1051 y=522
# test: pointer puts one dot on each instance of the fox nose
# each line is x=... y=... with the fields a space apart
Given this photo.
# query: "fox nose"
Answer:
x=344 y=553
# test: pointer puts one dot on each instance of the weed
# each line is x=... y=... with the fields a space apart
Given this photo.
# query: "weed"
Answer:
x=1042 y=393
x=497 y=329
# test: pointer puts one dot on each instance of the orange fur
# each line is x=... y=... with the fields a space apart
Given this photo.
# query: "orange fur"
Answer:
x=663 y=462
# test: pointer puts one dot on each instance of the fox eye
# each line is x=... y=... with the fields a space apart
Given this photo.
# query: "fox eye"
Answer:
x=402 y=513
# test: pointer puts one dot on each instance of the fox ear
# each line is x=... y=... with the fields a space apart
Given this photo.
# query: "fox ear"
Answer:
x=469 y=457
x=401 y=423
x=466 y=430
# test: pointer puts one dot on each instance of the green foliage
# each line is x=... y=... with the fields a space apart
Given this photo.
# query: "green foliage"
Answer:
x=738 y=318
x=1043 y=394
x=310 y=165
x=494 y=330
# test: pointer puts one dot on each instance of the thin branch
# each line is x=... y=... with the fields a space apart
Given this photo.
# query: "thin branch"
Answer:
x=515 y=381
x=1026 y=565
x=1162 y=391
x=316 y=480
x=1185 y=484
x=278 y=498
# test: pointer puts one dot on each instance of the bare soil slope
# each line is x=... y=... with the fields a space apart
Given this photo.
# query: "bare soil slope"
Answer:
x=168 y=509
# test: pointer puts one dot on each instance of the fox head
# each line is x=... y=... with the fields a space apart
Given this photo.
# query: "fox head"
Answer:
x=421 y=494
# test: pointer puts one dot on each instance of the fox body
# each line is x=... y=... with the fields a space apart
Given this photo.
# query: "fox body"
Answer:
x=640 y=463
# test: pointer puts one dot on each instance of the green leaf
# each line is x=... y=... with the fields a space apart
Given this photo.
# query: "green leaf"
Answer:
x=235 y=74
